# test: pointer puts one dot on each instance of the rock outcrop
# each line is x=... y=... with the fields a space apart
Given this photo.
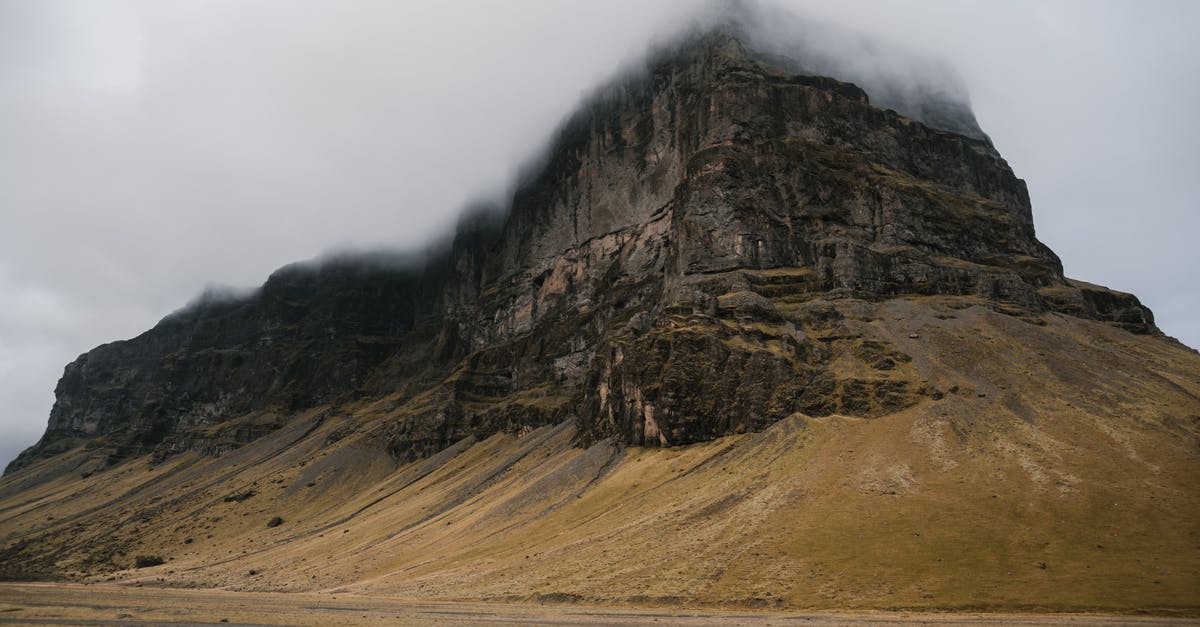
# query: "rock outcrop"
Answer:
x=678 y=269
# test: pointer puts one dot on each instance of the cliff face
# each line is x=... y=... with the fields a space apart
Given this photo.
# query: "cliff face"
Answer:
x=691 y=261
x=307 y=337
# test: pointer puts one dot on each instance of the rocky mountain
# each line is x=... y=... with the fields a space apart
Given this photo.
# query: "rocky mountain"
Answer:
x=716 y=247
x=716 y=188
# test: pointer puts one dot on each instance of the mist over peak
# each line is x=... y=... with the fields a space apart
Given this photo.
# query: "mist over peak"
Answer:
x=919 y=86
x=214 y=296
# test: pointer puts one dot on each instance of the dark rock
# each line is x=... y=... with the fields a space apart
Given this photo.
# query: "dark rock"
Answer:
x=239 y=497
x=146 y=561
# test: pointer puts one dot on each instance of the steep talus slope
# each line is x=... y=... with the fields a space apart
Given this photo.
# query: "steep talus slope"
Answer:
x=984 y=495
x=892 y=395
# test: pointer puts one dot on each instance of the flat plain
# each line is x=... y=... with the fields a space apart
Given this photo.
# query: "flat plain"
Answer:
x=77 y=604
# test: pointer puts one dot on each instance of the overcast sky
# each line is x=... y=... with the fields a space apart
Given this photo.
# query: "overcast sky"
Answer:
x=151 y=148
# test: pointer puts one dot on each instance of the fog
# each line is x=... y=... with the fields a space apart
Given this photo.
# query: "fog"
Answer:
x=152 y=149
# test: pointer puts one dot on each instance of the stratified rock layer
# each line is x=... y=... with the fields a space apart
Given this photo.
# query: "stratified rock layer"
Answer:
x=665 y=278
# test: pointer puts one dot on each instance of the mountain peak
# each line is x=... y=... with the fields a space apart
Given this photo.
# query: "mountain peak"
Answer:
x=917 y=86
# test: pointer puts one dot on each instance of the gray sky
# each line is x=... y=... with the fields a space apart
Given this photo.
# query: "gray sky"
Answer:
x=150 y=148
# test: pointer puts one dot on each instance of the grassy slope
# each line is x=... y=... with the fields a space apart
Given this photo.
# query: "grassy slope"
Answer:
x=1060 y=471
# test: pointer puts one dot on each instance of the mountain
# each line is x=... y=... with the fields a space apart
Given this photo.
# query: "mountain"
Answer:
x=715 y=186
x=742 y=337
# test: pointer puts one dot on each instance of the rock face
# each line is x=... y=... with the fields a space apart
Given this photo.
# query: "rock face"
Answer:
x=668 y=276
x=306 y=337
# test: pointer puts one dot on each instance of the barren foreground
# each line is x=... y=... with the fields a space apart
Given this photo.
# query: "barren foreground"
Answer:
x=73 y=604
